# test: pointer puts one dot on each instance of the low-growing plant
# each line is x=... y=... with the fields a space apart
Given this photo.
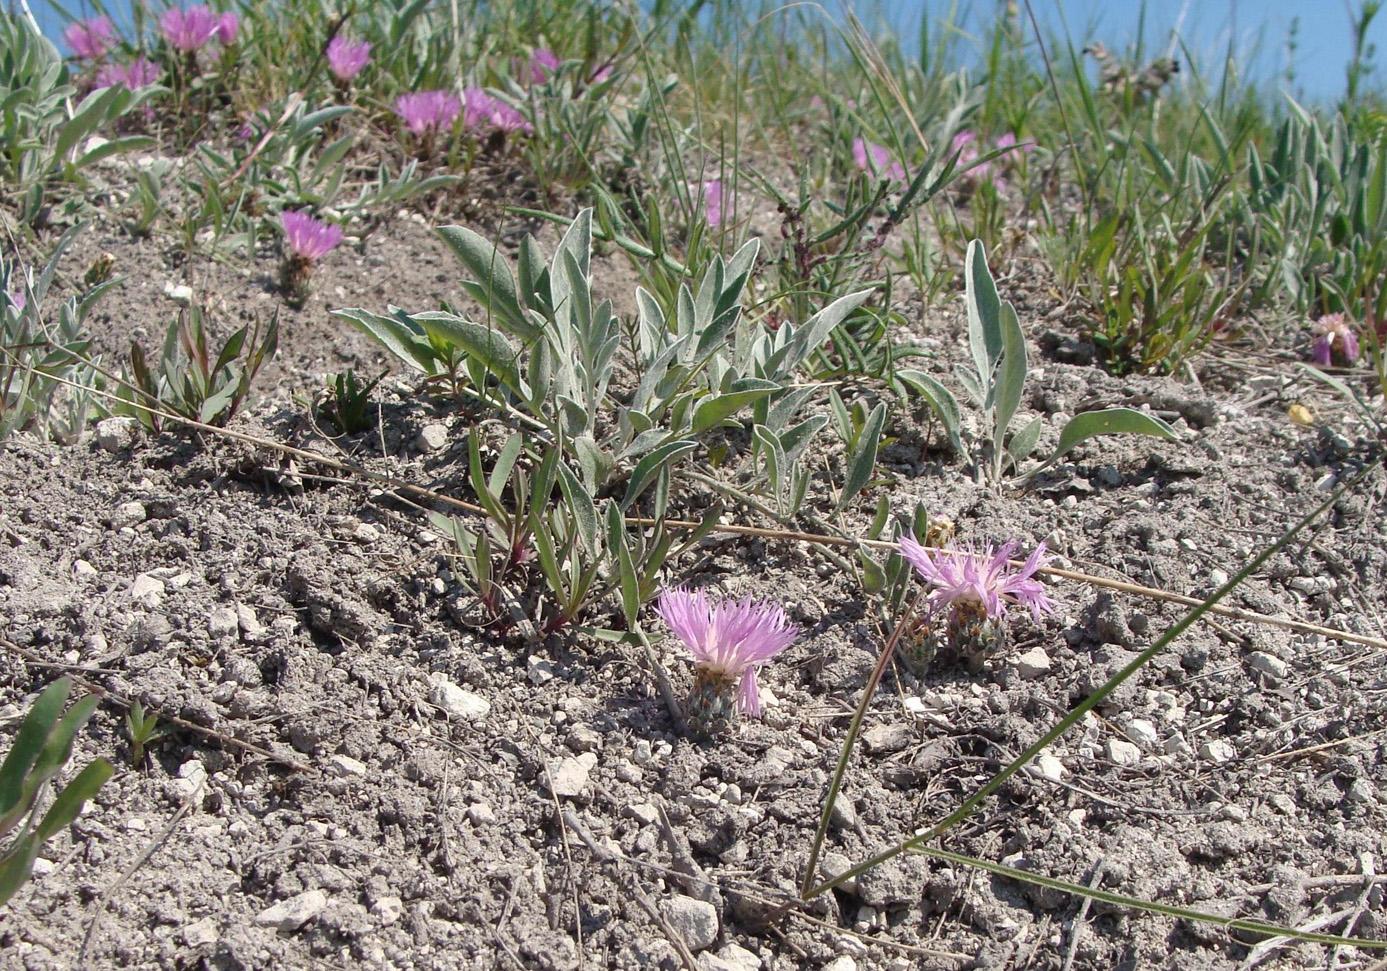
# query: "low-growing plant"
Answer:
x=42 y=746
x=347 y=401
x=996 y=384
x=47 y=380
x=43 y=139
x=546 y=350
x=142 y=729
x=188 y=380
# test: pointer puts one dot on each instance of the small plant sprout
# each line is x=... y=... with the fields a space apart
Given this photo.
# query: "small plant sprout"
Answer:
x=189 y=30
x=143 y=731
x=877 y=160
x=346 y=58
x=1335 y=341
x=89 y=40
x=729 y=643
x=973 y=590
x=306 y=240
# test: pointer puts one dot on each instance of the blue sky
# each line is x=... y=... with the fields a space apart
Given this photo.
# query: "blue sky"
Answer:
x=1259 y=31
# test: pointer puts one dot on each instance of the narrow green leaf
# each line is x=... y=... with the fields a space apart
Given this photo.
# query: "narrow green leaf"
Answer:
x=643 y=476
x=863 y=462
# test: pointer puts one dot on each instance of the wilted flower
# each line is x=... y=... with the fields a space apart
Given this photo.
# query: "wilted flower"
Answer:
x=90 y=39
x=306 y=240
x=543 y=62
x=188 y=30
x=975 y=589
x=428 y=111
x=346 y=58
x=482 y=110
x=876 y=159
x=729 y=642
x=17 y=298
x=228 y=24
x=138 y=73
x=1334 y=333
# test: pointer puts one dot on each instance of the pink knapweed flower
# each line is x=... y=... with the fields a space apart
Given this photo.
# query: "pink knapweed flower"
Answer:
x=228 y=25
x=543 y=62
x=89 y=40
x=427 y=111
x=715 y=200
x=962 y=577
x=346 y=58
x=729 y=641
x=306 y=237
x=188 y=30
x=1333 y=332
x=869 y=157
x=481 y=110
x=138 y=73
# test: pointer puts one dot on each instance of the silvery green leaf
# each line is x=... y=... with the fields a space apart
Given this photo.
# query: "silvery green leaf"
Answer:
x=579 y=501
x=810 y=336
x=862 y=461
x=985 y=339
x=739 y=267
x=1011 y=376
x=653 y=334
x=644 y=442
x=712 y=411
x=482 y=344
x=505 y=462
x=398 y=334
x=940 y=400
x=492 y=284
x=643 y=476
x=648 y=392
x=842 y=420
x=534 y=279
x=576 y=417
x=1109 y=421
x=1023 y=442
x=785 y=406
x=795 y=439
x=773 y=457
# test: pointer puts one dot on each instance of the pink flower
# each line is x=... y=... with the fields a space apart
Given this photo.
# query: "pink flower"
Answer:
x=89 y=40
x=427 y=111
x=484 y=111
x=17 y=299
x=876 y=159
x=1334 y=332
x=188 y=30
x=980 y=579
x=306 y=237
x=543 y=62
x=227 y=26
x=715 y=200
x=730 y=640
x=346 y=58
x=136 y=74
x=601 y=74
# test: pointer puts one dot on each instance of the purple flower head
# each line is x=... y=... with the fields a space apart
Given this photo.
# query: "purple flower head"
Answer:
x=543 y=62
x=89 y=40
x=17 y=298
x=188 y=30
x=427 y=111
x=731 y=639
x=346 y=58
x=716 y=200
x=876 y=159
x=306 y=237
x=484 y=111
x=1333 y=332
x=984 y=579
x=228 y=24
x=138 y=73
